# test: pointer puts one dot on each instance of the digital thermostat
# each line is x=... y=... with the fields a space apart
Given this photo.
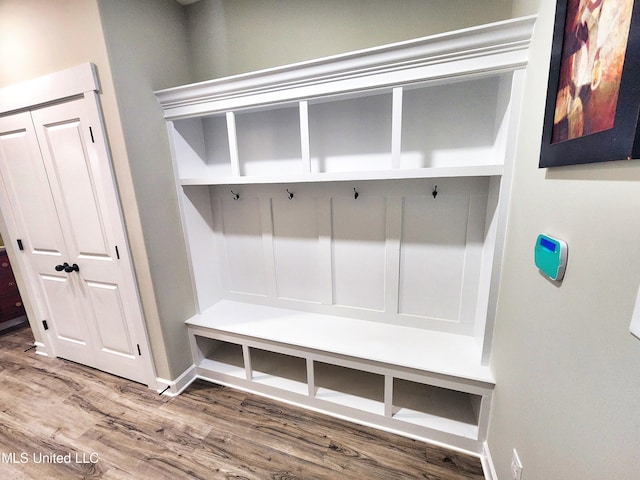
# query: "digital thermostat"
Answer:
x=550 y=255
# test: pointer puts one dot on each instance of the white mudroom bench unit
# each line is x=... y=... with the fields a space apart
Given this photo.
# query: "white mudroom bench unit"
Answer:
x=345 y=222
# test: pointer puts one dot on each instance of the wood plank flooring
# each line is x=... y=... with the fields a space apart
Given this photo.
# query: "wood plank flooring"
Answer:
x=60 y=420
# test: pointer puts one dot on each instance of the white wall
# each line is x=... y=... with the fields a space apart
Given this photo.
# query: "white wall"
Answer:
x=567 y=368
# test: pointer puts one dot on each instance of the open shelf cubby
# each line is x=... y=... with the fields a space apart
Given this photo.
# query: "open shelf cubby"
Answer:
x=349 y=387
x=436 y=407
x=219 y=356
x=279 y=370
x=345 y=219
x=364 y=135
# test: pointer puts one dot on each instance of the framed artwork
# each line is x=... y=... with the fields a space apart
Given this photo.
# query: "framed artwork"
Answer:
x=593 y=96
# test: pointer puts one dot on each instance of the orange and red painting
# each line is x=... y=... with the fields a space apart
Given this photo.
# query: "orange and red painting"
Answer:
x=593 y=54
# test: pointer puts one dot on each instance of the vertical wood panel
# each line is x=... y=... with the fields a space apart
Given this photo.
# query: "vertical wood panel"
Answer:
x=392 y=254
x=434 y=233
x=233 y=144
x=388 y=396
x=473 y=260
x=296 y=248
x=396 y=128
x=248 y=369
x=304 y=136
x=242 y=228
x=325 y=267
x=359 y=232
x=266 y=217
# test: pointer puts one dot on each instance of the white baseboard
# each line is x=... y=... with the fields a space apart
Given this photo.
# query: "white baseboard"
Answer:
x=173 y=388
x=487 y=463
x=41 y=349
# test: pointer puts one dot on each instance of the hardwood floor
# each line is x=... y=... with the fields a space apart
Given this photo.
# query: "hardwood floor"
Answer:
x=60 y=420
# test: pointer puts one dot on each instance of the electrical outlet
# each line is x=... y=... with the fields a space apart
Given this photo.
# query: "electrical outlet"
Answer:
x=516 y=466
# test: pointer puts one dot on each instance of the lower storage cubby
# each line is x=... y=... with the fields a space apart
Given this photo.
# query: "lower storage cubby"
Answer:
x=221 y=357
x=349 y=387
x=435 y=407
x=417 y=402
x=279 y=370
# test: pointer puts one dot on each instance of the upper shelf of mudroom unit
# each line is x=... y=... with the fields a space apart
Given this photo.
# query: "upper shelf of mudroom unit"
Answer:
x=437 y=106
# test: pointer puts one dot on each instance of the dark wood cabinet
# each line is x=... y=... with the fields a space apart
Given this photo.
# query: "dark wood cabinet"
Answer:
x=11 y=308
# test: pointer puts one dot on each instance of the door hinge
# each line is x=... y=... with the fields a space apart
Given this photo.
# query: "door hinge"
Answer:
x=20 y=246
x=139 y=352
x=91 y=133
x=44 y=324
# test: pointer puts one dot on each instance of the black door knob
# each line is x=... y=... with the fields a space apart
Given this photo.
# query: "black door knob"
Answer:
x=67 y=268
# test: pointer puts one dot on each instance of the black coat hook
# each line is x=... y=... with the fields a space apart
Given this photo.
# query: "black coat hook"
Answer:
x=355 y=193
x=235 y=195
x=435 y=191
x=289 y=194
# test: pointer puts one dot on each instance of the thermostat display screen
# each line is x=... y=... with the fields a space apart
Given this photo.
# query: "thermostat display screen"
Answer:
x=550 y=255
x=549 y=245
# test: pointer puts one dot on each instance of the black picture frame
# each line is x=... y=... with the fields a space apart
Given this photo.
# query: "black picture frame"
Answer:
x=585 y=140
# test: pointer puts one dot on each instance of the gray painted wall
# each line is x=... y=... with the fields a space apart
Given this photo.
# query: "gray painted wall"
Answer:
x=568 y=388
x=148 y=50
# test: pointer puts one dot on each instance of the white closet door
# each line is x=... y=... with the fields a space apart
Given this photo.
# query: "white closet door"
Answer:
x=28 y=193
x=72 y=216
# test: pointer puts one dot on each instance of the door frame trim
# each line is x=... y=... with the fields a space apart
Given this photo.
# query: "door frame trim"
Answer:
x=49 y=88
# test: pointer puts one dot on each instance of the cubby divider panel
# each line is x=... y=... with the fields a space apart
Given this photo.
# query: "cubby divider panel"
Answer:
x=221 y=357
x=349 y=387
x=279 y=370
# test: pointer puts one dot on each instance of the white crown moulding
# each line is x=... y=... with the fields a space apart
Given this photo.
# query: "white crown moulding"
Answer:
x=480 y=50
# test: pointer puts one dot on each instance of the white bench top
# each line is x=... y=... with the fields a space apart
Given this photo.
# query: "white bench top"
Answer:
x=436 y=352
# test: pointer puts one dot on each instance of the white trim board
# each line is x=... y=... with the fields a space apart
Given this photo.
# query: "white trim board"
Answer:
x=634 y=328
x=55 y=86
x=478 y=50
x=177 y=386
x=487 y=463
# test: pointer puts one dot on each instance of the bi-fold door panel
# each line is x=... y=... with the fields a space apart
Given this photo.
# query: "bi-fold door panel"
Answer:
x=59 y=186
x=109 y=310
x=72 y=180
x=28 y=189
x=64 y=138
x=25 y=180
